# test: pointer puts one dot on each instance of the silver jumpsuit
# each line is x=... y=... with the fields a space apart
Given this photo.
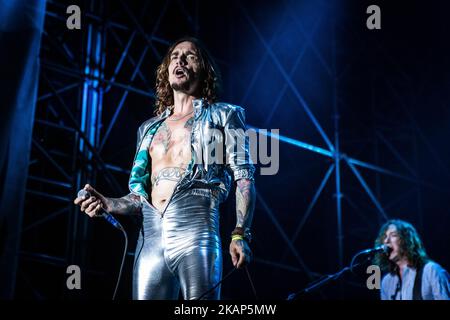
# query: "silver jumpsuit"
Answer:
x=180 y=248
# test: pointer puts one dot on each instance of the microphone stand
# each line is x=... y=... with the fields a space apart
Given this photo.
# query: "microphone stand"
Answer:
x=325 y=279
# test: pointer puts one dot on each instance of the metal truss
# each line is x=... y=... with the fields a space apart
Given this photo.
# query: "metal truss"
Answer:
x=333 y=150
x=80 y=70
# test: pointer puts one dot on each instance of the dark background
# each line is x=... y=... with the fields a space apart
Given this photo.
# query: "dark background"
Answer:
x=383 y=94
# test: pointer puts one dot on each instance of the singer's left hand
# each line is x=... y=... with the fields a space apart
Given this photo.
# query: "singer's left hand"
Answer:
x=240 y=253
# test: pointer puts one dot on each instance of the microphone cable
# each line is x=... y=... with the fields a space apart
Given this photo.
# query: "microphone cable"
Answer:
x=116 y=224
x=223 y=279
x=123 y=262
x=226 y=276
x=251 y=282
x=352 y=264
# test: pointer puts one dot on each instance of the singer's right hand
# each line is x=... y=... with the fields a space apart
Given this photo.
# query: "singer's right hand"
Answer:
x=92 y=205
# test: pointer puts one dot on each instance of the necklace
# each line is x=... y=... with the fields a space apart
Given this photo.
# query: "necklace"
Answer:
x=180 y=117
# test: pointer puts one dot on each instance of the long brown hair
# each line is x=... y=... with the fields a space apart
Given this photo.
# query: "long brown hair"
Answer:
x=411 y=246
x=209 y=76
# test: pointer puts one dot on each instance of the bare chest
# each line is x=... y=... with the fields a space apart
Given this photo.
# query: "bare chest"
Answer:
x=172 y=142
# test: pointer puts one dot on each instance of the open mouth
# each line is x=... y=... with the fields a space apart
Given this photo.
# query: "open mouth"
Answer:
x=180 y=72
x=388 y=251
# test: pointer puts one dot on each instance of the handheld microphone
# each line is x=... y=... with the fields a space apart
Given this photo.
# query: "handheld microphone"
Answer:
x=108 y=217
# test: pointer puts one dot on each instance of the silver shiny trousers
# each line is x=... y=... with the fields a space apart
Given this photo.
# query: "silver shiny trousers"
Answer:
x=179 y=248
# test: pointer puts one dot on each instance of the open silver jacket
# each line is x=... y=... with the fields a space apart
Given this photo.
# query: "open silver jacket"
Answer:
x=220 y=150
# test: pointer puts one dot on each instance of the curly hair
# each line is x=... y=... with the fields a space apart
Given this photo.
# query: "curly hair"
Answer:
x=210 y=80
x=410 y=246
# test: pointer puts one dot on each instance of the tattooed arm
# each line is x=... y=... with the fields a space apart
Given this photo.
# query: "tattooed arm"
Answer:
x=129 y=204
x=238 y=160
x=245 y=204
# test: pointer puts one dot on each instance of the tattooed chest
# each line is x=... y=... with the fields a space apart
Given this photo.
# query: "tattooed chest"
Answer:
x=172 y=142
